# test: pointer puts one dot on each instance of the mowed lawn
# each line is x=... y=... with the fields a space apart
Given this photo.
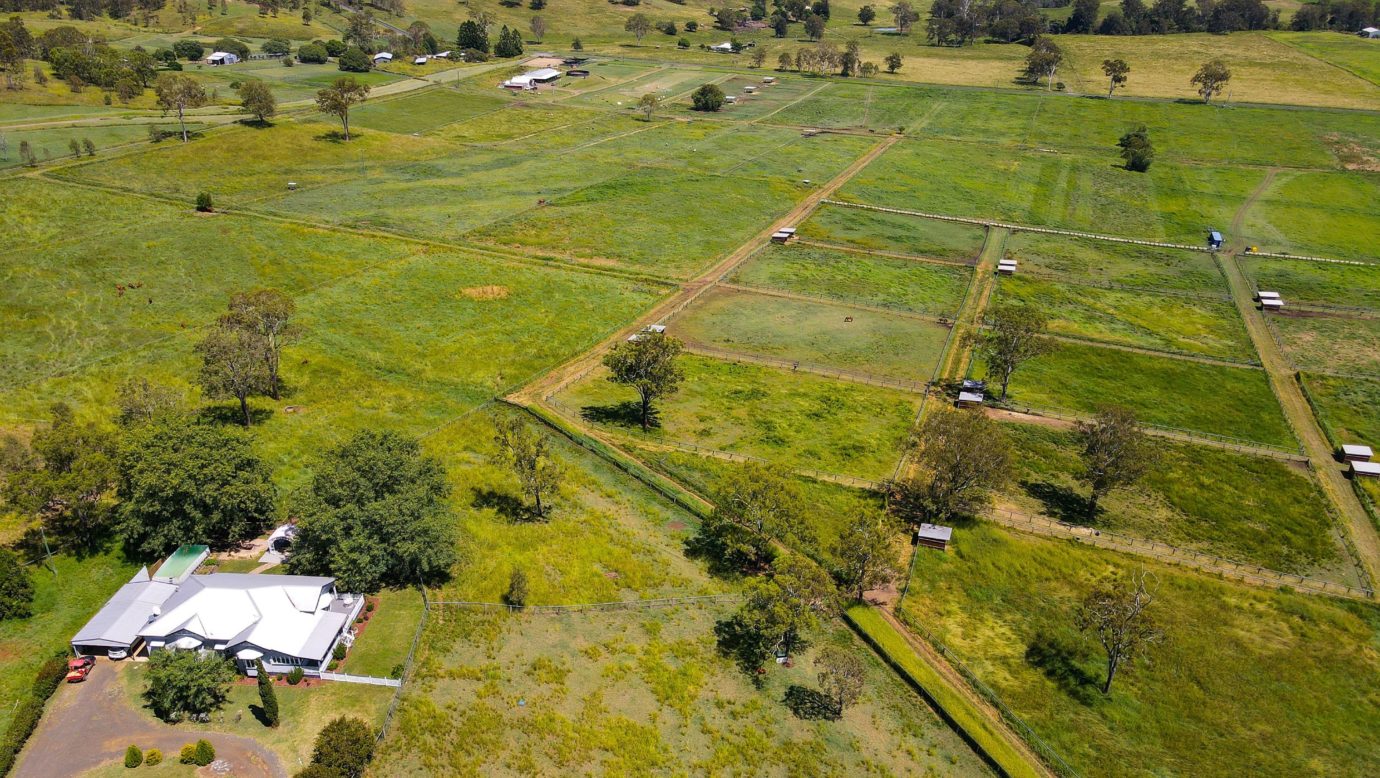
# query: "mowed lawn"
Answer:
x=818 y=334
x=796 y=420
x=856 y=277
x=1195 y=497
x=1117 y=264
x=1082 y=191
x=1316 y=283
x=1163 y=322
x=1234 y=402
x=892 y=232
x=385 y=636
x=639 y=693
x=1238 y=666
x=1330 y=343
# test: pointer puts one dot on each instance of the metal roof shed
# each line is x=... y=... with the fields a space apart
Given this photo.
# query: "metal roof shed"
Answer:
x=1356 y=453
x=934 y=536
x=1366 y=469
x=116 y=625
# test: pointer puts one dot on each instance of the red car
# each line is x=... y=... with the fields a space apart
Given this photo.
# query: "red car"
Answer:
x=79 y=668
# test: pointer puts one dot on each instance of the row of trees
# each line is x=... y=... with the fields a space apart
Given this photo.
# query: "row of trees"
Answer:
x=962 y=22
x=1045 y=58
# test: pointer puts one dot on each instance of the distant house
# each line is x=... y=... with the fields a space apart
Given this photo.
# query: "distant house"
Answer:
x=723 y=48
x=1369 y=32
x=532 y=78
x=383 y=57
x=222 y=58
x=934 y=536
x=287 y=621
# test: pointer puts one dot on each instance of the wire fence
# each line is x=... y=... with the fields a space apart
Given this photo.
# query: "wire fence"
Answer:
x=614 y=605
x=826 y=371
x=1043 y=749
x=407 y=668
x=1240 y=445
x=1230 y=568
x=1060 y=278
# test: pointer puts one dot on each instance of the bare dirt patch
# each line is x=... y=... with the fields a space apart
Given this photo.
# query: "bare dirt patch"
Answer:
x=1354 y=153
x=490 y=292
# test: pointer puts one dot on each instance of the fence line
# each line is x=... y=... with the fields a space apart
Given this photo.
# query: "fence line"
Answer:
x=1055 y=277
x=1207 y=438
x=407 y=668
x=364 y=679
x=806 y=367
x=614 y=605
x=1231 y=568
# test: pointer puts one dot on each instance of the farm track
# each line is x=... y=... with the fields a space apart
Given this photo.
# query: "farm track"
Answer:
x=1356 y=521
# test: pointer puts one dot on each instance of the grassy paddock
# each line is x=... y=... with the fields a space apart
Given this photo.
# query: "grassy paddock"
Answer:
x=1327 y=343
x=793 y=419
x=1346 y=406
x=1211 y=328
x=814 y=333
x=1316 y=282
x=384 y=641
x=536 y=700
x=1194 y=496
x=1232 y=401
x=1237 y=664
x=881 y=231
x=1120 y=264
x=1315 y=213
x=858 y=278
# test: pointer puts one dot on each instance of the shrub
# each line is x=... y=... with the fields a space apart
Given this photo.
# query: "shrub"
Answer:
x=295 y=677
x=345 y=745
x=475 y=55
x=682 y=44
x=188 y=49
x=49 y=677
x=397 y=671
x=313 y=52
x=369 y=606
x=333 y=665
x=692 y=26
x=203 y=753
x=335 y=48
x=516 y=595
x=288 y=61
x=153 y=757
x=203 y=202
x=338 y=653
x=276 y=46
x=133 y=756
x=188 y=754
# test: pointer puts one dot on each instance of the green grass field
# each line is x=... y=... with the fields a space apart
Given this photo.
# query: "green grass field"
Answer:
x=1348 y=52
x=538 y=698
x=1235 y=402
x=858 y=278
x=818 y=334
x=1172 y=323
x=763 y=412
x=1196 y=497
x=1236 y=665
x=1330 y=344
x=890 y=232
x=1346 y=407
x=1117 y=264
x=1316 y=283
x=1315 y=213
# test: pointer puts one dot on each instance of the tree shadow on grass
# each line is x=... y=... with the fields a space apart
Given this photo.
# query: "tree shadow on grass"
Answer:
x=810 y=704
x=624 y=414
x=1058 y=660
x=337 y=136
x=504 y=504
x=1060 y=502
x=744 y=646
x=257 y=711
x=230 y=414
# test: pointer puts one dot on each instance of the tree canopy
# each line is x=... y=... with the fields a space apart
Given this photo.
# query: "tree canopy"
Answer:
x=376 y=514
x=1014 y=335
x=962 y=457
x=187 y=683
x=337 y=99
x=16 y=587
x=647 y=364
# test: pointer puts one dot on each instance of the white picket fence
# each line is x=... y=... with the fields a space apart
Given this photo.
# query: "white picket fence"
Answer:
x=365 y=679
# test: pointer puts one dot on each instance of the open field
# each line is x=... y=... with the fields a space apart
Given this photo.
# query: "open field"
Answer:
x=814 y=333
x=1218 y=400
x=1071 y=191
x=796 y=420
x=857 y=278
x=1330 y=343
x=425 y=112
x=1237 y=664
x=1316 y=283
x=1117 y=264
x=1315 y=213
x=1346 y=407
x=1173 y=323
x=62 y=604
x=1196 y=497
x=537 y=700
x=881 y=231
x=1348 y=52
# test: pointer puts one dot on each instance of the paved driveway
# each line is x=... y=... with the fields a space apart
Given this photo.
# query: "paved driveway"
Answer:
x=89 y=724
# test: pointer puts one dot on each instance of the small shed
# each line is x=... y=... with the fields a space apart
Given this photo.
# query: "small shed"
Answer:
x=222 y=58
x=749 y=89
x=1369 y=32
x=419 y=61
x=730 y=98
x=1006 y=267
x=1356 y=453
x=1267 y=295
x=1271 y=304
x=1365 y=469
x=769 y=79
x=383 y=56
x=578 y=73
x=1214 y=239
x=934 y=536
x=441 y=55
x=970 y=399
x=783 y=235
x=723 y=48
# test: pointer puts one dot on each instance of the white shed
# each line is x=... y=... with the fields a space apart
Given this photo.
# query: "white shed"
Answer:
x=1365 y=469
x=1369 y=32
x=1356 y=453
x=222 y=58
x=382 y=56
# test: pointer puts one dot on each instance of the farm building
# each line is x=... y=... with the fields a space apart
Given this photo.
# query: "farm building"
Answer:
x=1271 y=303
x=723 y=48
x=769 y=79
x=1369 y=32
x=1006 y=267
x=441 y=55
x=783 y=235
x=383 y=58
x=222 y=58
x=1356 y=453
x=655 y=329
x=532 y=78
x=419 y=61
x=1365 y=469
x=934 y=536
x=1214 y=239
x=971 y=393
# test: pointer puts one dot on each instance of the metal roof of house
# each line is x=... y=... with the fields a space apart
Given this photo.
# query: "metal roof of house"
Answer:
x=281 y=614
x=117 y=623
